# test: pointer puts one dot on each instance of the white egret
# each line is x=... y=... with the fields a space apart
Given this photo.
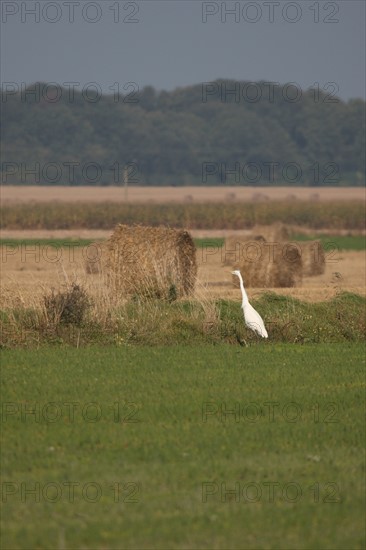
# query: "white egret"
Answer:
x=252 y=318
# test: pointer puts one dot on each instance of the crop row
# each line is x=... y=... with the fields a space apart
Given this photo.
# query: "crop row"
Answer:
x=330 y=215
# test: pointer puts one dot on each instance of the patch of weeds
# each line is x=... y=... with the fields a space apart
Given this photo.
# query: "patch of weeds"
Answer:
x=172 y=293
x=67 y=307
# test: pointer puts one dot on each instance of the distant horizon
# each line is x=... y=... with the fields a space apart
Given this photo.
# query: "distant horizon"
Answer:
x=77 y=87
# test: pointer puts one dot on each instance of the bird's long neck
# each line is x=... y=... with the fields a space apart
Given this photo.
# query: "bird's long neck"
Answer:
x=245 y=301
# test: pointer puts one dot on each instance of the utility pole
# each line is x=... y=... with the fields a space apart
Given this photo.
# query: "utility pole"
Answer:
x=125 y=181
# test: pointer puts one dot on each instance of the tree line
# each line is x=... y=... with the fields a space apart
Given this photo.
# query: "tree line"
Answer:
x=215 y=133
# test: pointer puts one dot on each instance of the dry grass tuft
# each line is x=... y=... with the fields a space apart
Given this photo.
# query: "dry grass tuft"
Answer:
x=68 y=306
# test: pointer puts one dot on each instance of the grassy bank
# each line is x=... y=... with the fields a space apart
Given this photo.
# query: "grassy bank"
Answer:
x=137 y=447
x=84 y=321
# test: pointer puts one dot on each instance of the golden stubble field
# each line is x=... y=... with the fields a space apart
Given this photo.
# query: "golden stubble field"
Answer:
x=29 y=272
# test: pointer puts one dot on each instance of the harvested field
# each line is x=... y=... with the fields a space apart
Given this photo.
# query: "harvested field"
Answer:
x=95 y=234
x=31 y=271
x=159 y=195
x=344 y=271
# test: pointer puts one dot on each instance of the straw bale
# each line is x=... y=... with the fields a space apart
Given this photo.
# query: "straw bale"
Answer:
x=266 y=265
x=95 y=256
x=274 y=233
x=151 y=261
x=313 y=258
x=234 y=247
x=231 y=250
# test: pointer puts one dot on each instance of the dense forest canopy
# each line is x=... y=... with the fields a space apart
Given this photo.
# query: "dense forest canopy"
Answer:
x=223 y=132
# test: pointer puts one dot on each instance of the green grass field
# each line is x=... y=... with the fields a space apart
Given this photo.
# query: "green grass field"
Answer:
x=59 y=243
x=329 y=242
x=334 y=242
x=222 y=441
x=136 y=447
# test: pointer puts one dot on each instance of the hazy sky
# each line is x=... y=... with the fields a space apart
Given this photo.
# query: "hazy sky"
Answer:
x=175 y=43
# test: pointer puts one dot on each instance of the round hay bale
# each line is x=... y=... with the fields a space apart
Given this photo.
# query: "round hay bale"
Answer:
x=274 y=233
x=233 y=252
x=267 y=265
x=151 y=261
x=94 y=257
x=234 y=247
x=313 y=258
